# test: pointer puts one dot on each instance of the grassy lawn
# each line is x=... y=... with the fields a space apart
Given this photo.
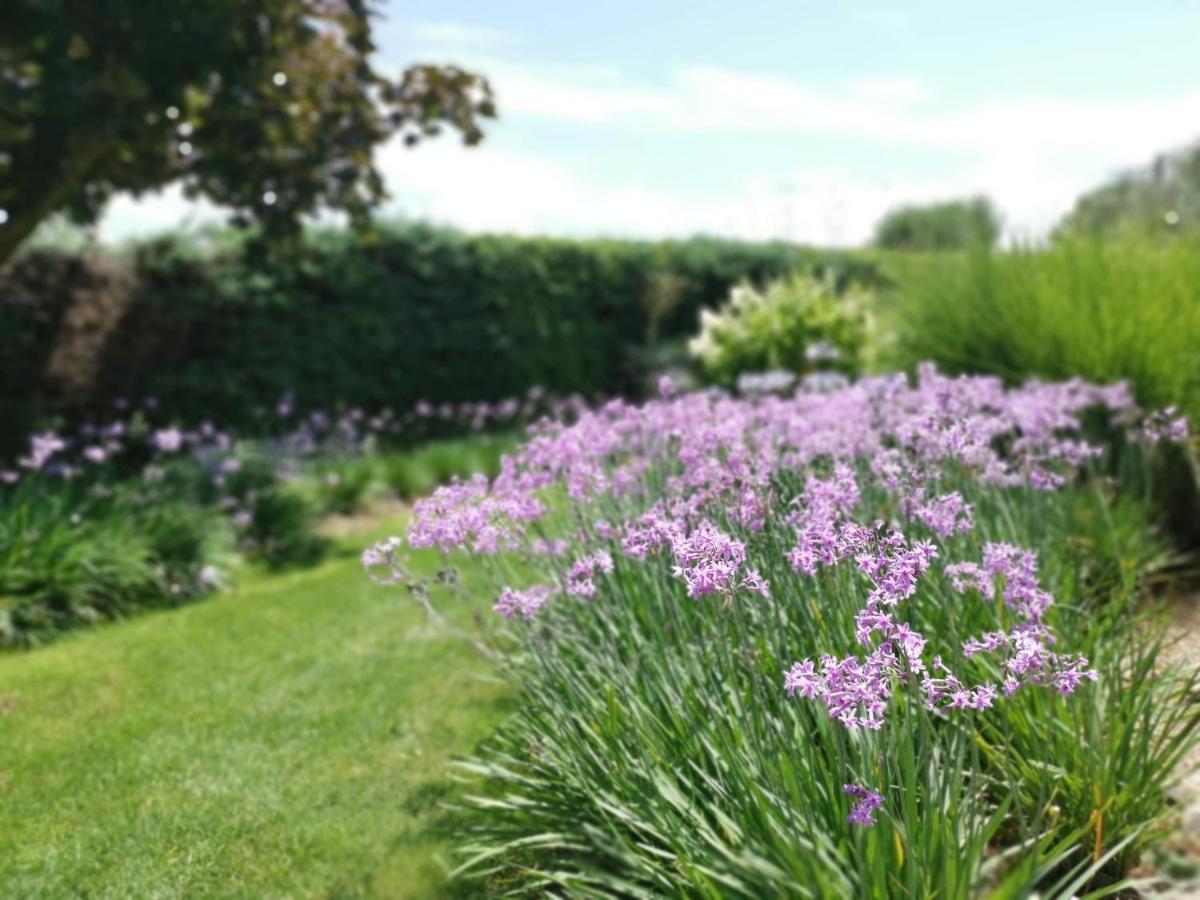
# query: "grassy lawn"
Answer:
x=288 y=737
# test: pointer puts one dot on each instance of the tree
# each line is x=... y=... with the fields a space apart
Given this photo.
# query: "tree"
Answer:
x=270 y=107
x=1161 y=199
x=940 y=226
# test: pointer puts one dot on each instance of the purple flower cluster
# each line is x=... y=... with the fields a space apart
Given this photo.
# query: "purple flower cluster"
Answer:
x=710 y=562
x=382 y=561
x=856 y=692
x=346 y=431
x=866 y=802
x=468 y=514
x=524 y=603
x=1012 y=572
x=712 y=489
x=581 y=579
x=676 y=466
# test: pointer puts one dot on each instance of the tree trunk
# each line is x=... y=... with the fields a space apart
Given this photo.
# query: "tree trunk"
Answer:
x=21 y=223
x=44 y=194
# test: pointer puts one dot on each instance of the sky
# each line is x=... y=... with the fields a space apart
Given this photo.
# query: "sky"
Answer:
x=791 y=119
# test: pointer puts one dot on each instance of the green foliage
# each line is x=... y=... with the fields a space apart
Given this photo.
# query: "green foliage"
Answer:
x=953 y=225
x=281 y=526
x=114 y=541
x=779 y=327
x=68 y=558
x=655 y=752
x=184 y=538
x=343 y=486
x=1161 y=200
x=1104 y=311
x=272 y=108
x=417 y=472
x=418 y=313
x=1126 y=309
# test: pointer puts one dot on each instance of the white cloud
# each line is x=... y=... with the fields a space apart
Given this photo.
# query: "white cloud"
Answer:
x=884 y=109
x=129 y=217
x=521 y=193
x=1033 y=155
x=895 y=89
x=456 y=34
x=495 y=190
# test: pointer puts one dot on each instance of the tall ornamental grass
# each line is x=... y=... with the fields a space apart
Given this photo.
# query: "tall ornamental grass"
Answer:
x=873 y=642
x=1126 y=308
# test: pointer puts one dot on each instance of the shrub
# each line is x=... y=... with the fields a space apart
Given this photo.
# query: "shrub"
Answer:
x=955 y=225
x=1161 y=200
x=795 y=325
x=282 y=528
x=417 y=314
x=417 y=472
x=69 y=557
x=343 y=486
x=276 y=519
x=188 y=543
x=1124 y=309
x=1106 y=311
x=838 y=644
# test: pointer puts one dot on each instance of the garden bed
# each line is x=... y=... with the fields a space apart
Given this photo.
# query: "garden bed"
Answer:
x=885 y=641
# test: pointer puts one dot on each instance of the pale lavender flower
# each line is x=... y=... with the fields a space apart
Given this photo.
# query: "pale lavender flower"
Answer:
x=41 y=448
x=707 y=560
x=382 y=561
x=525 y=603
x=867 y=802
x=167 y=440
x=581 y=577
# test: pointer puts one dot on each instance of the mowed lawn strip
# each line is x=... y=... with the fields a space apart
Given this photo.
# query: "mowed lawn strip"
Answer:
x=289 y=737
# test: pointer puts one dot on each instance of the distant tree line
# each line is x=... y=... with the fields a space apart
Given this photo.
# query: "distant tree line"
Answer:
x=952 y=225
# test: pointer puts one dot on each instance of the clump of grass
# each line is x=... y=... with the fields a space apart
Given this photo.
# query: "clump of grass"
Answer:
x=344 y=486
x=686 y=553
x=416 y=472
x=69 y=556
x=1101 y=310
x=1126 y=308
x=654 y=751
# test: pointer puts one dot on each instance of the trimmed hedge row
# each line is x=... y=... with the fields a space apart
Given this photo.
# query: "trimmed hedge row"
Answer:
x=415 y=313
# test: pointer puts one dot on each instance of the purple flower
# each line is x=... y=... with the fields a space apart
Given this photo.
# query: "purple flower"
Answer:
x=167 y=440
x=946 y=515
x=382 y=563
x=866 y=802
x=707 y=560
x=526 y=603
x=41 y=448
x=581 y=577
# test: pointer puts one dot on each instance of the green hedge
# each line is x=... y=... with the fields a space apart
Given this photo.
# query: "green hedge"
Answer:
x=415 y=313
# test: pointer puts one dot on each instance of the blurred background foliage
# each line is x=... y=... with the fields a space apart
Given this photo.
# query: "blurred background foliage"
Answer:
x=272 y=108
x=799 y=324
x=1161 y=199
x=952 y=225
x=416 y=313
